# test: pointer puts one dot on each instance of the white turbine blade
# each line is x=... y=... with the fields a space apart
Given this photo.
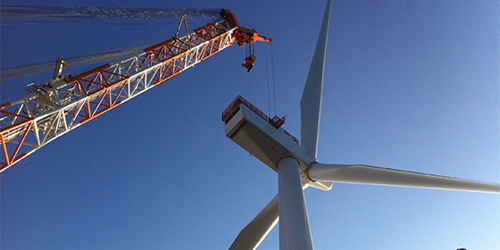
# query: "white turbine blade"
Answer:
x=363 y=174
x=254 y=233
x=310 y=105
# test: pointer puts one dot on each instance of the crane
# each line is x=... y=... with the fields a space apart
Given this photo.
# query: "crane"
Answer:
x=65 y=102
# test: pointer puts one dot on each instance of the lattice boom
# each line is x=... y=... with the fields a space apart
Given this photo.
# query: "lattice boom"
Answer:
x=64 y=104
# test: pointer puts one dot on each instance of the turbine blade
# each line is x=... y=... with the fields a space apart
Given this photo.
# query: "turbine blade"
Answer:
x=363 y=174
x=310 y=104
x=254 y=233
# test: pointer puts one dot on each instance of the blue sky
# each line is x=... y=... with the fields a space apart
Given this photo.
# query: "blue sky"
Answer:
x=412 y=85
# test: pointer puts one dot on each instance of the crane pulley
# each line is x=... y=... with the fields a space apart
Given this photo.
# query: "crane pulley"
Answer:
x=63 y=103
x=244 y=36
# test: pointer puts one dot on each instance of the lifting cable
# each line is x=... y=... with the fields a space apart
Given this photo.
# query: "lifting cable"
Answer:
x=274 y=82
x=271 y=87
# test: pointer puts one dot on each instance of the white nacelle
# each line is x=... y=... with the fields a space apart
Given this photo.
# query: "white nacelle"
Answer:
x=263 y=140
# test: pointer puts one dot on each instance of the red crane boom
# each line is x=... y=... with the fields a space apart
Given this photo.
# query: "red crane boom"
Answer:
x=65 y=102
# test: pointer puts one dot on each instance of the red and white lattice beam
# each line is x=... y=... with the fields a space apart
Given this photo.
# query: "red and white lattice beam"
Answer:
x=62 y=105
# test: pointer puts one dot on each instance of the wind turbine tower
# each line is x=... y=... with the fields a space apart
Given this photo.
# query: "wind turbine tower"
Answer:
x=297 y=165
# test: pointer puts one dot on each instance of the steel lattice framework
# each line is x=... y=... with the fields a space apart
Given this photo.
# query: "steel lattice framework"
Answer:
x=63 y=104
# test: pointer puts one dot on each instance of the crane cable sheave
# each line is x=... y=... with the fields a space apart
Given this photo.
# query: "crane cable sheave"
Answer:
x=244 y=36
x=63 y=103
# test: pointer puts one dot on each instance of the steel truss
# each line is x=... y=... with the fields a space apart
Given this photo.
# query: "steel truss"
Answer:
x=63 y=104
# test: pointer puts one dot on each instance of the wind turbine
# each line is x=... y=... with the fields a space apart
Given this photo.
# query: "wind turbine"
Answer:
x=297 y=165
